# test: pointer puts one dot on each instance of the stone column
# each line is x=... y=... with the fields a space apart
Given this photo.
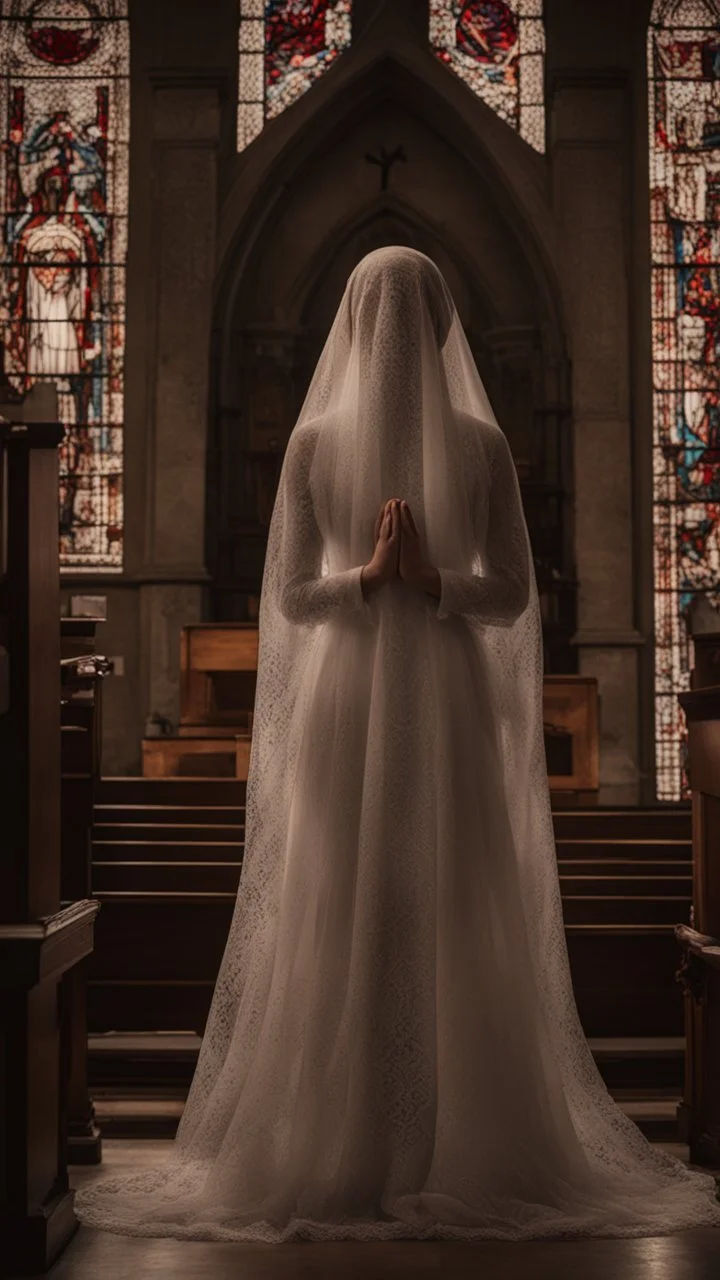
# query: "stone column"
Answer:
x=590 y=159
x=186 y=128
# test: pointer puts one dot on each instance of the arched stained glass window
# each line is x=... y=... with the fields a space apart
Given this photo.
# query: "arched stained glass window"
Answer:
x=684 y=109
x=63 y=184
x=498 y=49
x=285 y=45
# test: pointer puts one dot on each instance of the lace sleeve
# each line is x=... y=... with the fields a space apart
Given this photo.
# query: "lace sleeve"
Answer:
x=307 y=596
x=500 y=594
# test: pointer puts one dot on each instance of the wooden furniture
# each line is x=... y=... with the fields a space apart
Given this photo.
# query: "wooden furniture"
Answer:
x=700 y=971
x=83 y=671
x=167 y=856
x=218 y=665
x=706 y=664
x=41 y=938
x=570 y=716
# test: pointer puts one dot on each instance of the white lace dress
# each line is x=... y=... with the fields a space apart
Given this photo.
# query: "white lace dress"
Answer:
x=381 y=1065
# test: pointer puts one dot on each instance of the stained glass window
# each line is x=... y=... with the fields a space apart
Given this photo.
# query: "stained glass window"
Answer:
x=498 y=49
x=285 y=45
x=63 y=184
x=684 y=100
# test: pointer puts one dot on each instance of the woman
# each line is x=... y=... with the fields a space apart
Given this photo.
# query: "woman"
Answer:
x=393 y=1048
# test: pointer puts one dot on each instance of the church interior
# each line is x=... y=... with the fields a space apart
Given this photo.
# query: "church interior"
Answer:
x=187 y=187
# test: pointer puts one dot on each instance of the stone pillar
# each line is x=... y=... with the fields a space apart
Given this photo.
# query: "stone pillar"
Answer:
x=590 y=160
x=186 y=123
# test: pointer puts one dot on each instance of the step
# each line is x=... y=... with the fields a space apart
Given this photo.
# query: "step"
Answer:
x=120 y=1058
x=151 y=1116
x=655 y=1116
x=645 y=909
x=156 y=1059
x=602 y=886
x=139 y=1081
x=641 y=1062
x=140 y=898
x=137 y=1116
x=199 y=833
x=171 y=791
x=170 y=815
x=158 y=867
x=138 y=851
x=673 y=822
x=608 y=822
x=166 y=877
x=638 y=850
x=159 y=1117
x=643 y=914
x=624 y=867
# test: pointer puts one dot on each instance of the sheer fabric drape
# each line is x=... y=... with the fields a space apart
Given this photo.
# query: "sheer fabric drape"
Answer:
x=393 y=1048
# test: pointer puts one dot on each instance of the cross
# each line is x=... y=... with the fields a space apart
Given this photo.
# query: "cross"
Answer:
x=385 y=161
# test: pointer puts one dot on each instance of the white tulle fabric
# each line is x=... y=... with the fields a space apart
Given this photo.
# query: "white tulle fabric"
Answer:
x=393 y=1048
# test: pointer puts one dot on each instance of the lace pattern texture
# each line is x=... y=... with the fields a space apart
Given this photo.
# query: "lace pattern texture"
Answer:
x=393 y=1049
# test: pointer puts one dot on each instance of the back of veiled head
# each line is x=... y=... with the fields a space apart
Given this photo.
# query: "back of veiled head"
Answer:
x=386 y=422
x=397 y=287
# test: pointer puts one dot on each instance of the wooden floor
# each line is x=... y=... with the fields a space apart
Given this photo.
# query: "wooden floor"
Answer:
x=693 y=1255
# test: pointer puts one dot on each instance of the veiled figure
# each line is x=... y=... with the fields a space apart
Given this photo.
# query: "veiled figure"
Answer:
x=393 y=1048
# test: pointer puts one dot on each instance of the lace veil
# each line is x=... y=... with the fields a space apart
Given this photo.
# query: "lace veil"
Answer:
x=397 y=408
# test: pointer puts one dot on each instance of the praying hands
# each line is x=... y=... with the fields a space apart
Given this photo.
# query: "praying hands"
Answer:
x=398 y=552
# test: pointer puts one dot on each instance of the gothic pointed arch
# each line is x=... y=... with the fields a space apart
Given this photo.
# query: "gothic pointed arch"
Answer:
x=304 y=205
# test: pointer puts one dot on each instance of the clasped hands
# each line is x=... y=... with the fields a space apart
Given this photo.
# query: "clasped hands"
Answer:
x=398 y=551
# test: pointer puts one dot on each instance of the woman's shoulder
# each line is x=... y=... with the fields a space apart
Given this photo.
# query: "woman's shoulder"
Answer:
x=480 y=439
x=301 y=443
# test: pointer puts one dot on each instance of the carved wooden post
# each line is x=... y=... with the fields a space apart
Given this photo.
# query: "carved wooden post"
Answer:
x=39 y=941
x=700 y=970
x=82 y=674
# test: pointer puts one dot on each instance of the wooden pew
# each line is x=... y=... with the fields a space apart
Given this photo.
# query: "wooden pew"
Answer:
x=41 y=938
